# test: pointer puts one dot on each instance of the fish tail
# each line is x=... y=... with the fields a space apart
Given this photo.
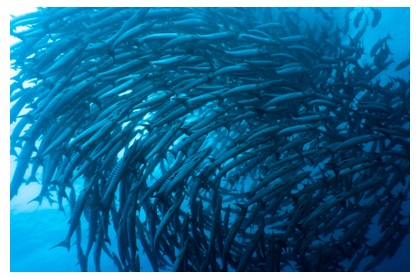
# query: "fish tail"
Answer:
x=32 y=179
x=65 y=243
x=61 y=209
x=38 y=198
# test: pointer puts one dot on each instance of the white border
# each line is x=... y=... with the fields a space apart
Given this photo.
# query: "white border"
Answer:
x=214 y=3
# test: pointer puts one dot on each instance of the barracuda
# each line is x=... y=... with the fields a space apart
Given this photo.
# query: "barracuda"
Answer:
x=214 y=139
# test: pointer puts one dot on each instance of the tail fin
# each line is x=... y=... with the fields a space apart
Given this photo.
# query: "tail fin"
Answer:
x=65 y=243
x=38 y=198
x=32 y=179
x=41 y=196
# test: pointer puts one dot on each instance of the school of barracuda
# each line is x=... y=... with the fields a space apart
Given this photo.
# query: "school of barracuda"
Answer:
x=213 y=139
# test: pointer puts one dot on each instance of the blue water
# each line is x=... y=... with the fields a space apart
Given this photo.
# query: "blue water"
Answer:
x=35 y=229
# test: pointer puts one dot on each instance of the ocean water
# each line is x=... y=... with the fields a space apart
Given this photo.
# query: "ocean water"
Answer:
x=35 y=229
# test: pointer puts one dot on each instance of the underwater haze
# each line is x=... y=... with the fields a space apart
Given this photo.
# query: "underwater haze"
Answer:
x=210 y=139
